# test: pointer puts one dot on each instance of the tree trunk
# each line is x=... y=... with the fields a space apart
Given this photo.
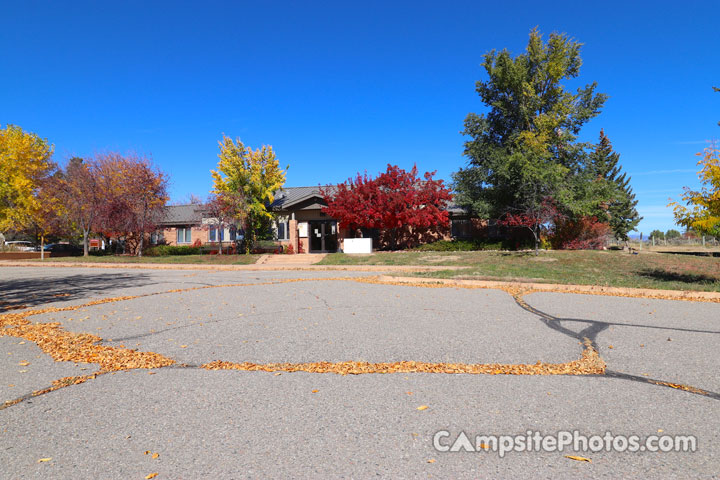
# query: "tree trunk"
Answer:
x=536 y=233
x=85 y=242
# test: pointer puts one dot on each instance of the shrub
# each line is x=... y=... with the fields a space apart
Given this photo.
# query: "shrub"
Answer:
x=585 y=233
x=165 y=250
x=461 y=246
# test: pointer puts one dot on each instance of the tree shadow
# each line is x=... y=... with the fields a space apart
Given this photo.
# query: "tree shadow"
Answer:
x=32 y=292
x=667 y=276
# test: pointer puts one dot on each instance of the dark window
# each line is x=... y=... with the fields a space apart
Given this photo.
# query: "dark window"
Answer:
x=461 y=228
x=282 y=231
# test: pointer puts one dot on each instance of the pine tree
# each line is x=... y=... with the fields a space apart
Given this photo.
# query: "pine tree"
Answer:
x=619 y=207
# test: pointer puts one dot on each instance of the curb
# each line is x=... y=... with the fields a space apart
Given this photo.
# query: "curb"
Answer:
x=684 y=295
x=250 y=267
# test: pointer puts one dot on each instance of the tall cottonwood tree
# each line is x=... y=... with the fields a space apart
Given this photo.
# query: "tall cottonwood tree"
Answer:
x=254 y=175
x=524 y=150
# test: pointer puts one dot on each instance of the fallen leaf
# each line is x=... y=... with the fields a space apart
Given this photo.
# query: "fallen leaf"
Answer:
x=183 y=346
x=422 y=407
x=579 y=459
x=24 y=364
x=278 y=373
x=314 y=391
x=660 y=430
x=409 y=393
x=44 y=459
x=151 y=475
x=484 y=446
x=147 y=452
x=610 y=347
x=432 y=460
x=151 y=373
x=155 y=455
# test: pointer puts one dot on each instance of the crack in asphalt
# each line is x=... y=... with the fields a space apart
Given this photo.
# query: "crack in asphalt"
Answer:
x=588 y=334
x=596 y=327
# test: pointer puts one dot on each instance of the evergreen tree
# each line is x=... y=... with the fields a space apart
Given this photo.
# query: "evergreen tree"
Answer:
x=616 y=204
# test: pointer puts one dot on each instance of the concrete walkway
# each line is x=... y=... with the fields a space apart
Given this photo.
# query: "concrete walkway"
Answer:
x=291 y=260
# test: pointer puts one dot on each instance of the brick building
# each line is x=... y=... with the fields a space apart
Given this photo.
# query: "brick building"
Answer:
x=299 y=222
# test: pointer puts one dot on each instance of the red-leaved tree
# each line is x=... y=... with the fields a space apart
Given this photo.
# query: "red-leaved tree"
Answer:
x=223 y=210
x=584 y=233
x=534 y=218
x=407 y=209
x=134 y=198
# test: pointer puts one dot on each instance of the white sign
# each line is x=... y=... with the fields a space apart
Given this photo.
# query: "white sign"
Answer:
x=357 y=245
x=303 y=230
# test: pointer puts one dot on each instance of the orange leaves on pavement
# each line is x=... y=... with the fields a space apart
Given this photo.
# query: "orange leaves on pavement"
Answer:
x=589 y=364
x=579 y=459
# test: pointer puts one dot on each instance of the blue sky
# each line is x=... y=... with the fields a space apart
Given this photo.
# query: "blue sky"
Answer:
x=342 y=87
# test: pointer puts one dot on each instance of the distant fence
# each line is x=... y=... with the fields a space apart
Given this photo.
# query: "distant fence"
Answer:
x=705 y=241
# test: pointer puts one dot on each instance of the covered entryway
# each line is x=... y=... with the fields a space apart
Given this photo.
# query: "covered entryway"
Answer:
x=323 y=236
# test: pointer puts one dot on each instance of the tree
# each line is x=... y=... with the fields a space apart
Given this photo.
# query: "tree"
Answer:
x=253 y=175
x=657 y=235
x=536 y=217
x=702 y=212
x=616 y=204
x=78 y=197
x=134 y=197
x=223 y=210
x=25 y=161
x=406 y=208
x=672 y=233
x=524 y=150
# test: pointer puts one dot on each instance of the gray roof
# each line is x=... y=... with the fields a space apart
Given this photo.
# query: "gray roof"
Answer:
x=289 y=196
x=182 y=215
x=284 y=199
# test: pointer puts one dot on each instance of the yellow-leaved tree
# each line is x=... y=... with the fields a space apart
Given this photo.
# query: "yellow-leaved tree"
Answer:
x=701 y=211
x=254 y=175
x=25 y=162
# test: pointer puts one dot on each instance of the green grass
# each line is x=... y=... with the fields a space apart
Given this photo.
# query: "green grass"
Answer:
x=172 y=259
x=609 y=268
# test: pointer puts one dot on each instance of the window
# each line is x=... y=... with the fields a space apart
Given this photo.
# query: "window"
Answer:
x=233 y=233
x=283 y=232
x=461 y=228
x=216 y=232
x=184 y=235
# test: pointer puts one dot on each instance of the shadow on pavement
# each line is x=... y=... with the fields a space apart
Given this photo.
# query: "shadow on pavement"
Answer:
x=32 y=292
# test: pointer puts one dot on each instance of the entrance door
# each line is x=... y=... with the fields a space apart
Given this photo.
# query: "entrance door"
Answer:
x=323 y=237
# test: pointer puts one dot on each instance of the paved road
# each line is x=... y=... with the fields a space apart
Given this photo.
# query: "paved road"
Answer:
x=243 y=424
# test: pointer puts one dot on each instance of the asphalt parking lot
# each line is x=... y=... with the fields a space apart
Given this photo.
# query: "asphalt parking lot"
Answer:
x=661 y=378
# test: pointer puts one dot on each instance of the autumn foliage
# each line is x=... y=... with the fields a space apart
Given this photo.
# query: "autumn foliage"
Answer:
x=406 y=209
x=585 y=233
